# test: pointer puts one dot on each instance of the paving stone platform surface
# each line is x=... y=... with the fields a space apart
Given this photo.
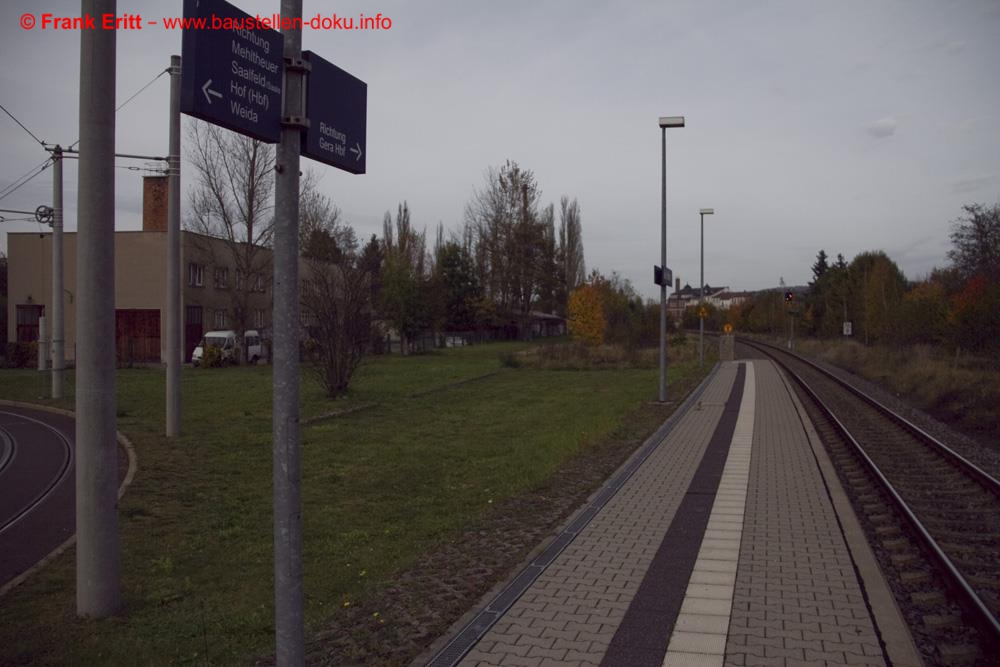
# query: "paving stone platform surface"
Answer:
x=793 y=597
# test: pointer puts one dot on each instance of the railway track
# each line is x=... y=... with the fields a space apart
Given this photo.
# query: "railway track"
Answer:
x=933 y=517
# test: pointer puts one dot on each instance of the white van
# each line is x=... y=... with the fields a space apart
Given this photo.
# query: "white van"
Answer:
x=229 y=346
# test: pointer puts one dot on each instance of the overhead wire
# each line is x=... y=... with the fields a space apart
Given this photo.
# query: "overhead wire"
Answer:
x=134 y=95
x=17 y=180
x=24 y=180
x=32 y=134
x=35 y=171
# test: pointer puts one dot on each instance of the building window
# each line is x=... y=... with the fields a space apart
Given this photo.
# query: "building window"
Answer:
x=196 y=275
x=220 y=319
x=239 y=280
x=221 y=277
x=27 y=322
x=258 y=282
x=258 y=318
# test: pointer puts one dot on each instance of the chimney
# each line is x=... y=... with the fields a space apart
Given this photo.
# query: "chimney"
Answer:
x=154 y=203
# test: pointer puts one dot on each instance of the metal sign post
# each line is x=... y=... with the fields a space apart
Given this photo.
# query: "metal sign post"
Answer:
x=288 y=594
x=253 y=82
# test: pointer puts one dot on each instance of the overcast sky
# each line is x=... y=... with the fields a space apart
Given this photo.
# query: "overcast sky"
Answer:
x=847 y=125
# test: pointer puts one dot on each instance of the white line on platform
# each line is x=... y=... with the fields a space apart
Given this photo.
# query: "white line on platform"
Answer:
x=699 y=637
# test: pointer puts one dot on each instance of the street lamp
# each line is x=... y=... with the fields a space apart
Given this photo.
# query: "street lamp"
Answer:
x=701 y=297
x=665 y=122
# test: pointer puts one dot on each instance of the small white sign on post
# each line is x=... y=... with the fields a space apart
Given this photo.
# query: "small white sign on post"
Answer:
x=848 y=329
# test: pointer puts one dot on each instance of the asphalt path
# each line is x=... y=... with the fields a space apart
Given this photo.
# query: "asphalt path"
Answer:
x=37 y=486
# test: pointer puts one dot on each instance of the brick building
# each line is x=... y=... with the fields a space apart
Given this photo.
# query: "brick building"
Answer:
x=215 y=294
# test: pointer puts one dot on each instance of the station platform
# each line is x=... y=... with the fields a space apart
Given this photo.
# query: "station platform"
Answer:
x=726 y=541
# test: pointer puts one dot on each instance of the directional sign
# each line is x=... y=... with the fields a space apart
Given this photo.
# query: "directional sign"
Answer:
x=337 y=109
x=231 y=74
x=659 y=278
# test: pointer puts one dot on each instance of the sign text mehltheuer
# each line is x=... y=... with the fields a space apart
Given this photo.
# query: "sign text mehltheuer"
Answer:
x=232 y=77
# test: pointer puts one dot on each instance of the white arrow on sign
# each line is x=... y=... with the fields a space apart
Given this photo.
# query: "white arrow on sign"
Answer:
x=208 y=91
x=357 y=151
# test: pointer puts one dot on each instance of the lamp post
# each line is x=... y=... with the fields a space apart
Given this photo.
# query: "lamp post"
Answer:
x=701 y=293
x=665 y=122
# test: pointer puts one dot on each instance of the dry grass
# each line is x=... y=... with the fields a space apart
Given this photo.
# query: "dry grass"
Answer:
x=580 y=357
x=966 y=393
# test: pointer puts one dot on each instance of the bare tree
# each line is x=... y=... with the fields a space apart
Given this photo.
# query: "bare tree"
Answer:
x=975 y=240
x=336 y=297
x=233 y=202
x=570 y=253
x=322 y=229
x=510 y=236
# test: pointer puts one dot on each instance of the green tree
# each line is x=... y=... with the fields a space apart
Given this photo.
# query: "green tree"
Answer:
x=924 y=314
x=402 y=295
x=817 y=299
x=460 y=287
x=876 y=291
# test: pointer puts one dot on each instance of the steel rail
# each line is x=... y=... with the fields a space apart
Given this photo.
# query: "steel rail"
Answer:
x=50 y=486
x=983 y=615
x=983 y=477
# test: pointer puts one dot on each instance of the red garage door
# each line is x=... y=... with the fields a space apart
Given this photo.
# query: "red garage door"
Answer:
x=137 y=335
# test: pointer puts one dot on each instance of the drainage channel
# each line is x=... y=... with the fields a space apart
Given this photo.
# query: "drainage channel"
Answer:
x=473 y=631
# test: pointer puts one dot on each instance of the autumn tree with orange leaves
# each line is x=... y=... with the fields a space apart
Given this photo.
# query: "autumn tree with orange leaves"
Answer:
x=585 y=313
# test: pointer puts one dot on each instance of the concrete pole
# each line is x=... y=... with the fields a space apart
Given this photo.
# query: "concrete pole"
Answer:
x=42 y=353
x=58 y=325
x=98 y=559
x=701 y=299
x=663 y=263
x=173 y=301
x=288 y=594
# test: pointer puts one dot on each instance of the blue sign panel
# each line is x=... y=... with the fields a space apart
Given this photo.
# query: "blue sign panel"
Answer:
x=337 y=109
x=231 y=70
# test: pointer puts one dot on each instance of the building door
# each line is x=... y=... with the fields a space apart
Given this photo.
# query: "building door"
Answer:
x=27 y=322
x=137 y=335
x=193 y=329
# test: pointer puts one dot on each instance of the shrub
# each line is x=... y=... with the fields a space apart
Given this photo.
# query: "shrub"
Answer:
x=22 y=355
x=212 y=357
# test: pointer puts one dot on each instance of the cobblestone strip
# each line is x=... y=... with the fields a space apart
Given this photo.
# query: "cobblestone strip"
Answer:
x=797 y=599
x=699 y=636
x=572 y=610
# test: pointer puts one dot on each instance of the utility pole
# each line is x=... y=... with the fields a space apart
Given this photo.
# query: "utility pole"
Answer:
x=173 y=319
x=43 y=344
x=663 y=263
x=665 y=122
x=58 y=326
x=288 y=594
x=98 y=558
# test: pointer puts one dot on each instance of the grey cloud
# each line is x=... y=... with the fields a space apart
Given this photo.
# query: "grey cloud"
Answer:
x=965 y=185
x=882 y=128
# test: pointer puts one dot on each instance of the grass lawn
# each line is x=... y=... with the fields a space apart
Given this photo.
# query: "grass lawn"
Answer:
x=379 y=486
